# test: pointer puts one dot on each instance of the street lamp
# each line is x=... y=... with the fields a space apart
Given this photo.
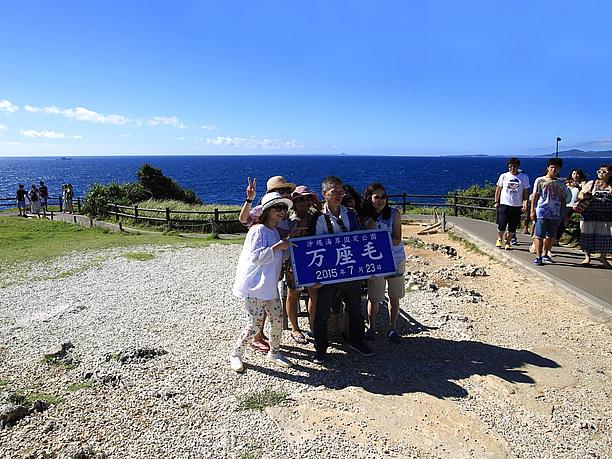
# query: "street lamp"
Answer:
x=557 y=149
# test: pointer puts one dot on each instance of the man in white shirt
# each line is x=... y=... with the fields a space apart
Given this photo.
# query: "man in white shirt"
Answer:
x=336 y=218
x=511 y=197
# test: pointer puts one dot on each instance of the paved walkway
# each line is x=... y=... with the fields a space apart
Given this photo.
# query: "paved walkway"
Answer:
x=592 y=285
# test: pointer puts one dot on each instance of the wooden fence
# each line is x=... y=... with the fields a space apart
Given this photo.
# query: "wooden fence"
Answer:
x=9 y=203
x=212 y=219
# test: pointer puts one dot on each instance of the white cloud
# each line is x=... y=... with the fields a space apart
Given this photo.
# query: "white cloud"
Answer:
x=209 y=127
x=8 y=107
x=125 y=136
x=31 y=133
x=78 y=137
x=80 y=114
x=3 y=128
x=255 y=143
x=180 y=138
x=166 y=121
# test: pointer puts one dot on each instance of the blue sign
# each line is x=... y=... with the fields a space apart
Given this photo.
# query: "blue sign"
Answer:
x=341 y=257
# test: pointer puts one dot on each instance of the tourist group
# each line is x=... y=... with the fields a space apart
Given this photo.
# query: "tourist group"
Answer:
x=287 y=211
x=549 y=207
x=35 y=199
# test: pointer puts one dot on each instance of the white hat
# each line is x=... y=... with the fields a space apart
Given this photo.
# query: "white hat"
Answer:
x=273 y=198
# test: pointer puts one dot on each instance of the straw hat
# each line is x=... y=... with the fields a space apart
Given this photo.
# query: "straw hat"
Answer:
x=278 y=181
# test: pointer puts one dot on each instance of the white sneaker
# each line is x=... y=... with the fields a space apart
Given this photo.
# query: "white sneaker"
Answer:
x=236 y=364
x=279 y=359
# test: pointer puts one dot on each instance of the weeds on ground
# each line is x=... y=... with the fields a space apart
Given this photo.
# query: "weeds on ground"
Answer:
x=27 y=399
x=252 y=452
x=261 y=400
x=138 y=256
x=469 y=245
x=79 y=386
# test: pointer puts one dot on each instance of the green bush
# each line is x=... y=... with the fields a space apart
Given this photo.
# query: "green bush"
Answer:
x=475 y=191
x=98 y=197
x=162 y=187
x=151 y=184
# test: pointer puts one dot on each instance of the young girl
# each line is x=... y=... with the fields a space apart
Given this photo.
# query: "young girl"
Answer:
x=377 y=213
x=257 y=275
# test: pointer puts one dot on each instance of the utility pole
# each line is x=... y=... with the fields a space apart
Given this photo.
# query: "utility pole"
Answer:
x=557 y=149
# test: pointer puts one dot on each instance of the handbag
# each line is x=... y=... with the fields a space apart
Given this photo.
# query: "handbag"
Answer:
x=583 y=204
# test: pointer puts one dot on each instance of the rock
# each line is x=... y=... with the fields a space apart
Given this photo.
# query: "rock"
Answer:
x=476 y=271
x=60 y=351
x=136 y=355
x=39 y=406
x=11 y=411
x=49 y=427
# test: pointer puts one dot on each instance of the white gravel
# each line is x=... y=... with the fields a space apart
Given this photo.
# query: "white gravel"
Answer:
x=184 y=403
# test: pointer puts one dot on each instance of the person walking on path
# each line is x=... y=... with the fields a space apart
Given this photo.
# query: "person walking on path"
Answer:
x=549 y=194
x=248 y=216
x=43 y=194
x=20 y=196
x=34 y=199
x=259 y=268
x=336 y=218
x=511 y=197
x=596 y=220
x=377 y=213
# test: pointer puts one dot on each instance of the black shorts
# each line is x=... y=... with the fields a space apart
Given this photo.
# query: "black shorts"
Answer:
x=508 y=216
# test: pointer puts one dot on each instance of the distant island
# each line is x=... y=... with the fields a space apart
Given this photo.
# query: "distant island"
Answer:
x=574 y=153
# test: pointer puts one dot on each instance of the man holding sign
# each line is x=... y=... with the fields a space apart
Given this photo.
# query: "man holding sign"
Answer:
x=335 y=255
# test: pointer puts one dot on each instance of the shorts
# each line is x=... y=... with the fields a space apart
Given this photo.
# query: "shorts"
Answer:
x=395 y=282
x=21 y=204
x=546 y=227
x=508 y=216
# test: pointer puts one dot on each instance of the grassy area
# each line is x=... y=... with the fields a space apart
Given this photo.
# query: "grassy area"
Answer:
x=260 y=400
x=32 y=240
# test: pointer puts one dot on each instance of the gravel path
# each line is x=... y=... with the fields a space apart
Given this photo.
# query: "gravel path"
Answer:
x=490 y=367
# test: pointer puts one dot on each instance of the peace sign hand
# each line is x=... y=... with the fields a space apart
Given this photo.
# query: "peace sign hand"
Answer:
x=250 y=189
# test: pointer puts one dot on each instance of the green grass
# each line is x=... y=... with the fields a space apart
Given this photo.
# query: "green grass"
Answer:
x=79 y=386
x=34 y=240
x=139 y=256
x=27 y=399
x=260 y=400
x=252 y=452
x=468 y=245
x=3 y=383
x=57 y=362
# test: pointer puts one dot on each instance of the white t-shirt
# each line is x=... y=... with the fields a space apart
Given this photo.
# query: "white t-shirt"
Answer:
x=259 y=266
x=512 y=187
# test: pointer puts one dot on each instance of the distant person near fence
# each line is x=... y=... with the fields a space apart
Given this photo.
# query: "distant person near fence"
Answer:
x=20 y=196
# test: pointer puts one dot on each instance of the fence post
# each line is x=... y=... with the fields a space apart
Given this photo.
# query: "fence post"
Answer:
x=79 y=205
x=52 y=215
x=116 y=213
x=168 y=224
x=61 y=201
x=404 y=202
x=136 y=213
x=216 y=224
x=455 y=208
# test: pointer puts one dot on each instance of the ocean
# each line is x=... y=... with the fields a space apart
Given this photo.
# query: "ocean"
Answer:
x=222 y=179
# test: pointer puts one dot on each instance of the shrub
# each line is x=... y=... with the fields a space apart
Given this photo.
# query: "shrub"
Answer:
x=99 y=196
x=475 y=191
x=162 y=187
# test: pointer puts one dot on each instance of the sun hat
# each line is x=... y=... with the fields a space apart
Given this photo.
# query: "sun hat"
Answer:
x=302 y=190
x=274 y=198
x=278 y=181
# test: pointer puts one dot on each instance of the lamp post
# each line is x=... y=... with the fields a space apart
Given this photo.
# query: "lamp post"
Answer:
x=557 y=149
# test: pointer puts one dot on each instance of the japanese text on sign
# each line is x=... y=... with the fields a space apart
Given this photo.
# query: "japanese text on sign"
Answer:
x=340 y=257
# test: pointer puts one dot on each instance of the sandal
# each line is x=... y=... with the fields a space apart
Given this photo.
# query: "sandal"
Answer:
x=298 y=337
x=260 y=346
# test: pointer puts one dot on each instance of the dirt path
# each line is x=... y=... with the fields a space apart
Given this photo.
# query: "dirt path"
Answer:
x=502 y=366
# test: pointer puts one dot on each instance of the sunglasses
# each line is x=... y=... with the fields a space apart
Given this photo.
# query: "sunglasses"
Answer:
x=280 y=208
x=602 y=171
x=379 y=196
x=285 y=190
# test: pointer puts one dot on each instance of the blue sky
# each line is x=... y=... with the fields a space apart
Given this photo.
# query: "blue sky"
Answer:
x=258 y=76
